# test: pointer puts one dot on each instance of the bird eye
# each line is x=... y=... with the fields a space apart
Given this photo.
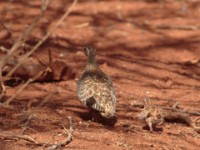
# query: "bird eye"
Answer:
x=86 y=51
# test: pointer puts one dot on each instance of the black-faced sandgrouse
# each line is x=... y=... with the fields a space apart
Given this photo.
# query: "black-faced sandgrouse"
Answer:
x=95 y=88
x=153 y=116
x=156 y=115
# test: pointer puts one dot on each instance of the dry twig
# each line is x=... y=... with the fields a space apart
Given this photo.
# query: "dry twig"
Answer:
x=23 y=87
x=27 y=115
x=174 y=107
x=177 y=27
x=47 y=98
x=2 y=86
x=28 y=119
x=22 y=39
x=44 y=38
x=9 y=135
x=5 y=28
x=6 y=9
x=196 y=113
x=3 y=15
x=25 y=34
x=67 y=140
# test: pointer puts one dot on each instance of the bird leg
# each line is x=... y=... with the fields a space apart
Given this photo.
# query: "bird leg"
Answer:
x=150 y=124
x=2 y=83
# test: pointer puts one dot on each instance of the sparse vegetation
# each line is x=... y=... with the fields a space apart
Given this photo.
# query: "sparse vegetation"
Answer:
x=150 y=49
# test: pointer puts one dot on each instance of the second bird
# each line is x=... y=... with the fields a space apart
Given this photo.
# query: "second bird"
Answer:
x=95 y=88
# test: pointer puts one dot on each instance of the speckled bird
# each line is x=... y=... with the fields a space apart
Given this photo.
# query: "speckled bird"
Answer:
x=153 y=116
x=156 y=115
x=95 y=88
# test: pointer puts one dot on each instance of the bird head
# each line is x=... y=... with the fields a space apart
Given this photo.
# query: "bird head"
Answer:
x=89 y=51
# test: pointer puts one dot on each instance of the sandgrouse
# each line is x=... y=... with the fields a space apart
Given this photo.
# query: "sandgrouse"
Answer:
x=95 y=88
x=152 y=115
x=155 y=115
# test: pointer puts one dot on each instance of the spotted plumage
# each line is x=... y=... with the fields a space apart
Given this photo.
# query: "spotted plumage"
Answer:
x=95 y=88
x=153 y=116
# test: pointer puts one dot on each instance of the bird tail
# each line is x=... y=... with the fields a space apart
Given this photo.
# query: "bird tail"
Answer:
x=92 y=103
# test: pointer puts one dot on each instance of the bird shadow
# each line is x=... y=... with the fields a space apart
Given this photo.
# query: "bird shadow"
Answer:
x=95 y=116
x=156 y=129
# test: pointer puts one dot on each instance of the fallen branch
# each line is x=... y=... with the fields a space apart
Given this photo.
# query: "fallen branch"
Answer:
x=177 y=27
x=174 y=107
x=196 y=113
x=9 y=135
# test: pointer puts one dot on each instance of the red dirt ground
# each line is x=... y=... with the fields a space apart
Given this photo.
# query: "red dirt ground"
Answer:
x=151 y=49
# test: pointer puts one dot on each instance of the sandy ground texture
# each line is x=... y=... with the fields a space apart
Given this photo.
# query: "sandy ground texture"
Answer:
x=150 y=48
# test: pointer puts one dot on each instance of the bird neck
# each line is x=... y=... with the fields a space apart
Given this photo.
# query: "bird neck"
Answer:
x=91 y=63
x=91 y=67
x=91 y=59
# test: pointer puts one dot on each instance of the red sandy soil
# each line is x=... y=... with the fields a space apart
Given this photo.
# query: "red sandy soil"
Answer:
x=151 y=49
